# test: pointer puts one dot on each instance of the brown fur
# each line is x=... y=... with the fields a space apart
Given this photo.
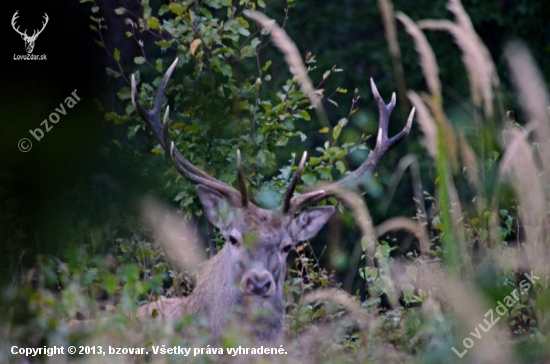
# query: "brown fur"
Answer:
x=244 y=281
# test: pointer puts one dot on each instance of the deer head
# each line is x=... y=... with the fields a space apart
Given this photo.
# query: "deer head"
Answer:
x=249 y=270
x=29 y=40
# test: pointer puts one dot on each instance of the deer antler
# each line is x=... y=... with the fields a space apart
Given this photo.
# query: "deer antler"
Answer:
x=186 y=168
x=240 y=198
x=292 y=185
x=383 y=145
x=43 y=26
x=35 y=33
x=13 y=19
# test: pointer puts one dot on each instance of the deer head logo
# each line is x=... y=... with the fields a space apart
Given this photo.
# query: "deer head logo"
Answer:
x=29 y=40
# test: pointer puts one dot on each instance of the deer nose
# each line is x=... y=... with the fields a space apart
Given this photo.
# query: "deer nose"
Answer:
x=258 y=283
x=258 y=287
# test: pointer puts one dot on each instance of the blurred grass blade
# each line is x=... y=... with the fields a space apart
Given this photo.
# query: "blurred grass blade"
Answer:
x=176 y=236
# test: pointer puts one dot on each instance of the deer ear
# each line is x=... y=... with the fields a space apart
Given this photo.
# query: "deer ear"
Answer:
x=309 y=222
x=216 y=207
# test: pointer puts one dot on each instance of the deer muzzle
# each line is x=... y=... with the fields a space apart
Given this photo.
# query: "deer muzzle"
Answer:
x=258 y=282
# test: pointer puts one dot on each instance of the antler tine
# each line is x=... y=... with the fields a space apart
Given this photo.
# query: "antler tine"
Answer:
x=383 y=145
x=160 y=93
x=152 y=118
x=292 y=185
x=160 y=131
x=385 y=112
x=13 y=20
x=164 y=128
x=44 y=23
x=241 y=181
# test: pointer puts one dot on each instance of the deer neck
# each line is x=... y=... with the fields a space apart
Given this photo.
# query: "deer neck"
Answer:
x=221 y=302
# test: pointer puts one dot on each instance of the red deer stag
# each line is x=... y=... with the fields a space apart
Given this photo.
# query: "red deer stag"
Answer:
x=246 y=276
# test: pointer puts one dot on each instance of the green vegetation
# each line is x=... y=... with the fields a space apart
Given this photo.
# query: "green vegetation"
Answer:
x=460 y=215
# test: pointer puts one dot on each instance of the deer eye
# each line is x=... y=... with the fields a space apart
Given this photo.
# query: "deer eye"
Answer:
x=286 y=248
x=233 y=240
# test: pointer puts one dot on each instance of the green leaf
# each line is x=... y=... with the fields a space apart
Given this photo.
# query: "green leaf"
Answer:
x=248 y=51
x=309 y=179
x=124 y=93
x=267 y=64
x=324 y=173
x=303 y=114
x=176 y=8
x=340 y=154
x=191 y=129
x=255 y=42
x=111 y=116
x=261 y=158
x=336 y=131
x=226 y=69
x=139 y=60
x=116 y=54
x=314 y=161
x=120 y=11
x=153 y=23
x=216 y=4
x=110 y=282
x=99 y=105
x=244 y=31
x=163 y=9
x=112 y=73
x=163 y=43
x=222 y=67
x=341 y=166
x=158 y=65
